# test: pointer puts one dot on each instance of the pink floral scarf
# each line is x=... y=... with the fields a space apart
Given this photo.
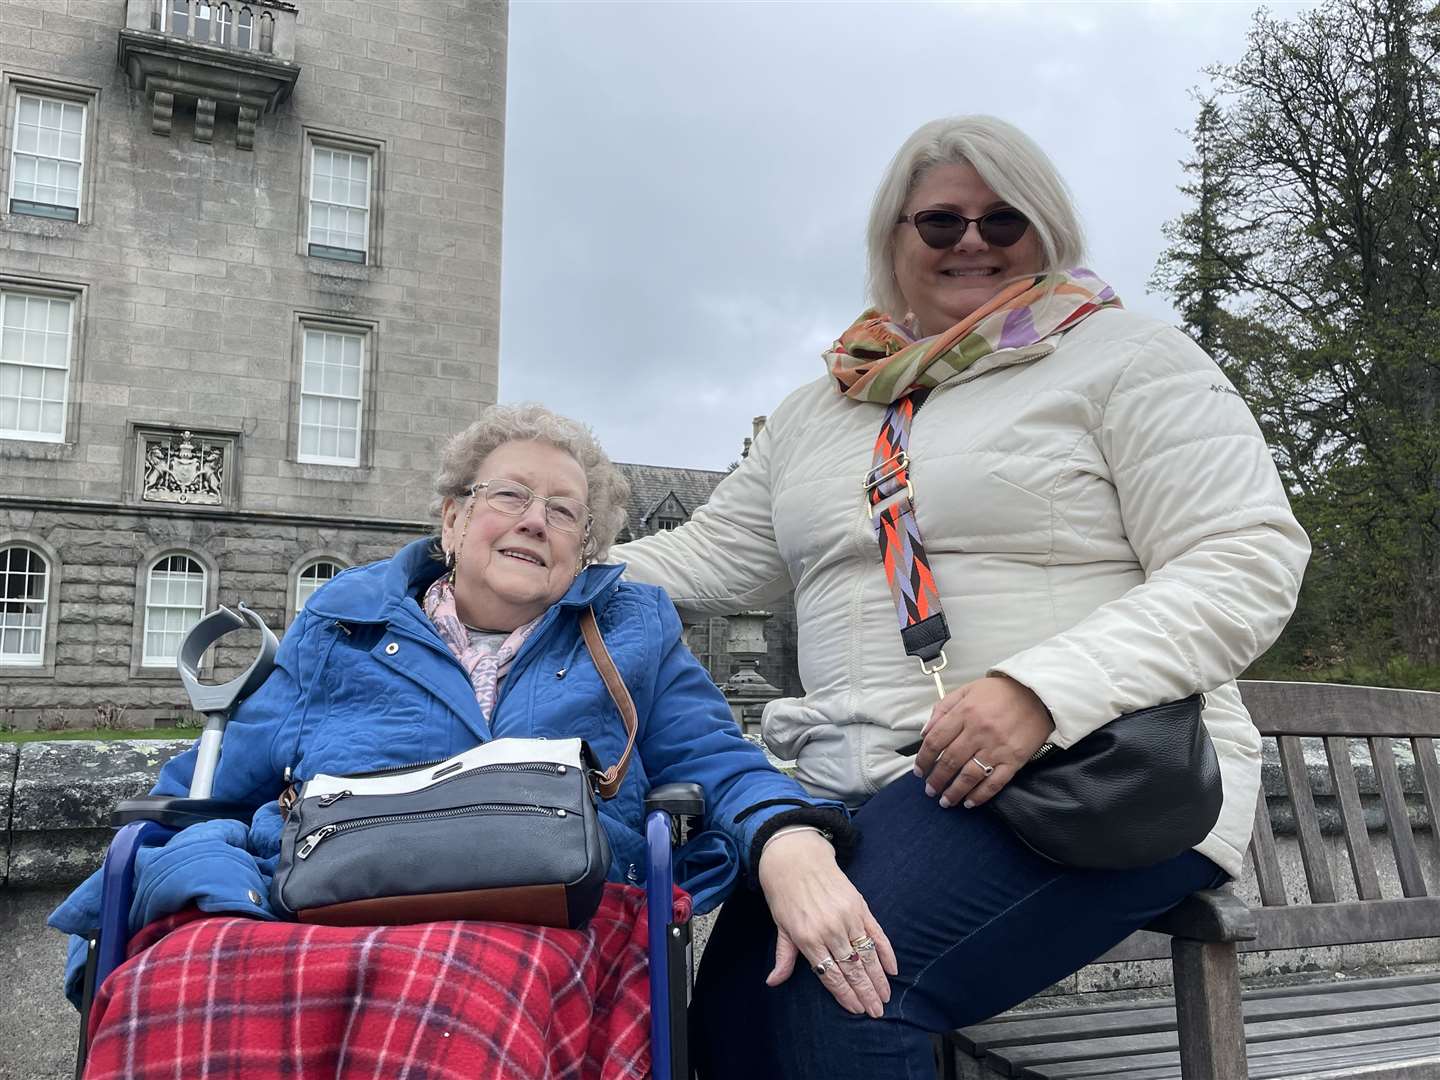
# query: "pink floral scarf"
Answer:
x=485 y=657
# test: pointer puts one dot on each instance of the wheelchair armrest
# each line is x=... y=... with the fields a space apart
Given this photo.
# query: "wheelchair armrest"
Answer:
x=1210 y=915
x=177 y=811
x=677 y=800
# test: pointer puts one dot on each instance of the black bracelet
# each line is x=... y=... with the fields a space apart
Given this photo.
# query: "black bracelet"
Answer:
x=835 y=824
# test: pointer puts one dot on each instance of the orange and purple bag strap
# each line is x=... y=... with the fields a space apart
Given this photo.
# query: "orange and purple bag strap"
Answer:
x=891 y=496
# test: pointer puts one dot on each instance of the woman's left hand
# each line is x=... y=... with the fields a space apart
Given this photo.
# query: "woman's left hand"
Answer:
x=820 y=916
x=995 y=722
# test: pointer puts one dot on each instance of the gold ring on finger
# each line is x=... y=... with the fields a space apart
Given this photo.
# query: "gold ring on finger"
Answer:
x=824 y=967
x=986 y=769
x=863 y=943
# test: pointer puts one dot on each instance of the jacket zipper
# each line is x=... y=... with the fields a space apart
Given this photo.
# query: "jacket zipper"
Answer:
x=549 y=767
x=479 y=809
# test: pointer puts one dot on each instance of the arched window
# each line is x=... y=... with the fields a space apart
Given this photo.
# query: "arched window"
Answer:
x=180 y=17
x=174 y=602
x=243 y=28
x=203 y=13
x=24 y=593
x=225 y=20
x=267 y=32
x=312 y=575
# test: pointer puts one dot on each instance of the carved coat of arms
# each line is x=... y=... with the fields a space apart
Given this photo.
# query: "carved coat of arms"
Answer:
x=183 y=472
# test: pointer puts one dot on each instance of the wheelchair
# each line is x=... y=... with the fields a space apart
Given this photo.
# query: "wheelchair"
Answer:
x=152 y=820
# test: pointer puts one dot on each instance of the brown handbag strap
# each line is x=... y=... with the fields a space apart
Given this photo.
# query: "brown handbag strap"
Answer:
x=608 y=782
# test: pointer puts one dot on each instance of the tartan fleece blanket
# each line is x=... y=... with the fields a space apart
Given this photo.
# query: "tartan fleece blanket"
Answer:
x=212 y=996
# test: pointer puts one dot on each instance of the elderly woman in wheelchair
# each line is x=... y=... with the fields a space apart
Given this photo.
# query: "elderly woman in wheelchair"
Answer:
x=456 y=641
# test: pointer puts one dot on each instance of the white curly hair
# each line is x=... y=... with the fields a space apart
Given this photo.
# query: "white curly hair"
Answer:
x=531 y=422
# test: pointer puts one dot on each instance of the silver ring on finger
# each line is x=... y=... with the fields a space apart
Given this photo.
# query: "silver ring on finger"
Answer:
x=986 y=769
x=863 y=944
x=854 y=957
x=824 y=967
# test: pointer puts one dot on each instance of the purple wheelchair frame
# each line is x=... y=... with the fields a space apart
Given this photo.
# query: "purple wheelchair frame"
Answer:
x=154 y=819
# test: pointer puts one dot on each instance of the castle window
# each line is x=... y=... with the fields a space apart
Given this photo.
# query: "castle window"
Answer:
x=311 y=576
x=24 y=597
x=174 y=602
x=35 y=342
x=332 y=384
x=47 y=158
x=339 y=203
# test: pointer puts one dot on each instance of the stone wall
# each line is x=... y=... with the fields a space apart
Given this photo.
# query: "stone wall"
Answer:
x=95 y=680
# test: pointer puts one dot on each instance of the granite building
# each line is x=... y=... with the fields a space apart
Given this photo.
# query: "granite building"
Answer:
x=249 y=282
x=663 y=497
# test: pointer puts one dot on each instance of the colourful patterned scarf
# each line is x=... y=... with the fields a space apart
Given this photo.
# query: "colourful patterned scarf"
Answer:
x=485 y=657
x=878 y=360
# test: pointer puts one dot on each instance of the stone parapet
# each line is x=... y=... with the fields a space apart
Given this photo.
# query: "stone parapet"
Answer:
x=60 y=797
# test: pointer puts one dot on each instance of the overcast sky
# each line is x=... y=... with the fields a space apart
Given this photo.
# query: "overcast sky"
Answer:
x=686 y=183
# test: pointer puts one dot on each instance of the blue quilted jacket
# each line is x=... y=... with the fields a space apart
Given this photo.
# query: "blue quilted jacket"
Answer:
x=363 y=682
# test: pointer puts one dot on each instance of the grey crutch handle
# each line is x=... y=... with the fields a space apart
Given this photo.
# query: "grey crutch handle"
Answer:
x=217 y=701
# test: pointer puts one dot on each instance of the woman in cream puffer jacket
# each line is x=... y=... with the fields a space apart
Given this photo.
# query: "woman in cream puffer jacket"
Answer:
x=1107 y=532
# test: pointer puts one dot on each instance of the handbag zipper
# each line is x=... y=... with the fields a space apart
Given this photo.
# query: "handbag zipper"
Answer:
x=312 y=841
x=550 y=767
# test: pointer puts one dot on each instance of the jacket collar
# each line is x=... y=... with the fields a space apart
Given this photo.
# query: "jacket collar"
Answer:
x=385 y=591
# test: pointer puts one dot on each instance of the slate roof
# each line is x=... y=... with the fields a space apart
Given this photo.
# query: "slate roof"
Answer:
x=650 y=484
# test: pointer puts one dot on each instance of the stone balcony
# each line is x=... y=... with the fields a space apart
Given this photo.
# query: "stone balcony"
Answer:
x=235 y=57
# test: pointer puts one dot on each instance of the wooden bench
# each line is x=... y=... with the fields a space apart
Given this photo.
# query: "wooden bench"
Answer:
x=1375 y=1029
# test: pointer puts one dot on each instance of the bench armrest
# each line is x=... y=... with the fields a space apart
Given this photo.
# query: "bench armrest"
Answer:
x=1209 y=915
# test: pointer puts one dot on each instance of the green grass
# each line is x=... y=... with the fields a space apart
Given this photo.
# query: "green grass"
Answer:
x=109 y=733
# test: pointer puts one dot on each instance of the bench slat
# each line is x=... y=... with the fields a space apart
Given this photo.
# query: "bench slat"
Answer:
x=1267 y=862
x=1407 y=856
x=1349 y=923
x=1352 y=816
x=1335 y=986
x=1045 y=1028
x=1019 y=1057
x=1417 y=1068
x=1279 y=1067
x=1307 y=823
x=1429 y=780
x=1284 y=1066
x=1104 y=1067
x=1304 y=708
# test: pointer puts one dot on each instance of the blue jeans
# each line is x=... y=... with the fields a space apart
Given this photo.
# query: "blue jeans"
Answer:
x=979 y=923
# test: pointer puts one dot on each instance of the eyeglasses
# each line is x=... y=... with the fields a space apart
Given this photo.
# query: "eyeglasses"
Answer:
x=514 y=498
x=945 y=228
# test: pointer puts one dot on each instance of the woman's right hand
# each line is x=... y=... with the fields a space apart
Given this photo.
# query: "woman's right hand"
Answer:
x=819 y=914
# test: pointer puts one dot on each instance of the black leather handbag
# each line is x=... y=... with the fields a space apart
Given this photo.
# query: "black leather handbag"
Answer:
x=1139 y=790
x=507 y=831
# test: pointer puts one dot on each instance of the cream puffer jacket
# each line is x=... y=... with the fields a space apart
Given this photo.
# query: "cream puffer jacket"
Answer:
x=1104 y=522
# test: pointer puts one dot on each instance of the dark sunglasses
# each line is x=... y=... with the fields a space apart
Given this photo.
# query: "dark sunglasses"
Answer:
x=944 y=228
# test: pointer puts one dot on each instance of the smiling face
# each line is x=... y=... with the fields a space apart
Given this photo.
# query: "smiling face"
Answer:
x=943 y=286
x=509 y=569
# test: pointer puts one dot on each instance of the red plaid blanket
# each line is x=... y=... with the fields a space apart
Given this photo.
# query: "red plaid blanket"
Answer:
x=220 y=996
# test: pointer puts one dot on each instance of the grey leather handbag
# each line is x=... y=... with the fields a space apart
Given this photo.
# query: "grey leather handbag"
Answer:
x=507 y=831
